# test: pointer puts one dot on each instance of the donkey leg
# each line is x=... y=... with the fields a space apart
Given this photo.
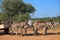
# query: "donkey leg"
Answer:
x=45 y=30
x=25 y=27
x=12 y=32
x=35 y=31
x=21 y=30
x=25 y=30
x=16 y=33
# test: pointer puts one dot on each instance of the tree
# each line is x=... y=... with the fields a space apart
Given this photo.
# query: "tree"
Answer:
x=16 y=8
x=3 y=17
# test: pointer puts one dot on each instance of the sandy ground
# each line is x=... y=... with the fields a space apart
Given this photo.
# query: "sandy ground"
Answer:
x=53 y=34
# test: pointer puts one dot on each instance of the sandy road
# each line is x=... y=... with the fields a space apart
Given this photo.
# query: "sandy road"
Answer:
x=52 y=35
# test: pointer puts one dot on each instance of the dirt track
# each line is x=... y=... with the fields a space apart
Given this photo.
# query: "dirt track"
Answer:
x=52 y=35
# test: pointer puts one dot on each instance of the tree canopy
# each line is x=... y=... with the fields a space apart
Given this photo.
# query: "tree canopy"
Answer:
x=17 y=9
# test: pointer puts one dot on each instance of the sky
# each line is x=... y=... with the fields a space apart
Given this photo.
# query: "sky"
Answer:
x=45 y=8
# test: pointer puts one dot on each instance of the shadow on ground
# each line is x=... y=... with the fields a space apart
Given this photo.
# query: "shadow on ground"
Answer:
x=58 y=33
x=2 y=33
x=39 y=34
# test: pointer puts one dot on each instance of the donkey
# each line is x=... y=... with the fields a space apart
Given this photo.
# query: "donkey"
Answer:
x=16 y=27
x=44 y=25
x=27 y=24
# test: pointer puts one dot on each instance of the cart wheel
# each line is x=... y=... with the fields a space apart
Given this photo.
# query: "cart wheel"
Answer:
x=6 y=30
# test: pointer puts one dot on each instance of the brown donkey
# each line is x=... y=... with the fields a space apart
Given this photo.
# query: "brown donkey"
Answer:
x=44 y=25
x=16 y=27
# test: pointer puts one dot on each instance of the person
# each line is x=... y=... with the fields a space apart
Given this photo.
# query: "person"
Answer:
x=30 y=23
